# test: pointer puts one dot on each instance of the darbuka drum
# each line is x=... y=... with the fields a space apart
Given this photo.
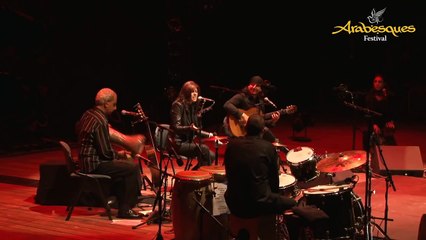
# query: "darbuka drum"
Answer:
x=343 y=207
x=192 y=192
x=302 y=162
x=218 y=172
x=288 y=187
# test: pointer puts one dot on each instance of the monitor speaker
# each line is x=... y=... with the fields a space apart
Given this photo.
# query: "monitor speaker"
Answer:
x=400 y=160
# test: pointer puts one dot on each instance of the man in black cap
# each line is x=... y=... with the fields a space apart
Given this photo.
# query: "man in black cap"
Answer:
x=249 y=101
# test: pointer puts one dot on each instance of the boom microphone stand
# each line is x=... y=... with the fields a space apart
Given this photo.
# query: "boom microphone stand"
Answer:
x=163 y=176
x=368 y=174
x=388 y=180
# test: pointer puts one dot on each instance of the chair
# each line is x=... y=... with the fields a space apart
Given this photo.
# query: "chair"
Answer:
x=90 y=183
x=163 y=146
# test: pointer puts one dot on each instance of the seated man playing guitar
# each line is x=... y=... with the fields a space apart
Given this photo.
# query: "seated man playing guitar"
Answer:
x=251 y=101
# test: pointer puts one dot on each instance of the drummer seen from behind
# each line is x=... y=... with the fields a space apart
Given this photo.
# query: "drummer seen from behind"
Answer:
x=252 y=193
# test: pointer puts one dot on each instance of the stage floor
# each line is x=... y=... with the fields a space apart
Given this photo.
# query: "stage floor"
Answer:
x=22 y=218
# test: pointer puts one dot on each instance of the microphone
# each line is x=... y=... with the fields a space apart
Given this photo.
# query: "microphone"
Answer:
x=205 y=99
x=128 y=113
x=266 y=99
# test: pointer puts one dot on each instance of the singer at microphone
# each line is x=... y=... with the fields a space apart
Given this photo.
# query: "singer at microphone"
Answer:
x=186 y=122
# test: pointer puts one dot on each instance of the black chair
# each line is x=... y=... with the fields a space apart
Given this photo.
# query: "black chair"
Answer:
x=85 y=183
x=163 y=146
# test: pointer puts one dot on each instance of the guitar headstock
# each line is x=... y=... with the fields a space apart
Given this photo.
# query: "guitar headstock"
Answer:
x=290 y=109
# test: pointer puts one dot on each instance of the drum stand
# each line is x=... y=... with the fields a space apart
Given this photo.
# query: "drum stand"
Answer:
x=210 y=214
x=368 y=192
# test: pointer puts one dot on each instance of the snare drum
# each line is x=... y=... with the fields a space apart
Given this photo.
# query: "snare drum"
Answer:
x=303 y=163
x=288 y=187
x=191 y=194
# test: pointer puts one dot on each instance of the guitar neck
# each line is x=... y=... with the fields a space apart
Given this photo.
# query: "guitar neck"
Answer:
x=281 y=112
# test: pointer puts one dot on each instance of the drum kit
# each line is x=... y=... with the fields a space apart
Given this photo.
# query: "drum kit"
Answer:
x=338 y=201
x=198 y=196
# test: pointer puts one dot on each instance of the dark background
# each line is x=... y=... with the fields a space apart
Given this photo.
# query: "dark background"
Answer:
x=55 y=56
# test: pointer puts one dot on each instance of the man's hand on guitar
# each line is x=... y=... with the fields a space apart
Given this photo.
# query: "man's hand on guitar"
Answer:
x=244 y=119
x=275 y=117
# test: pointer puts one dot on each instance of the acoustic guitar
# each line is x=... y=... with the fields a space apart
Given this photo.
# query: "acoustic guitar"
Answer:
x=238 y=129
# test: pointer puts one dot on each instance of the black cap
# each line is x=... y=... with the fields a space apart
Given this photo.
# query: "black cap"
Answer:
x=257 y=80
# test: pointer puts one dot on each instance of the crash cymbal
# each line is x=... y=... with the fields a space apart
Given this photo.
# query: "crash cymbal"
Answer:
x=338 y=162
x=216 y=138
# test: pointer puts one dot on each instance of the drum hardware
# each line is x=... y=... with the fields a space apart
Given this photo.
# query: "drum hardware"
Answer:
x=209 y=214
x=330 y=176
x=281 y=147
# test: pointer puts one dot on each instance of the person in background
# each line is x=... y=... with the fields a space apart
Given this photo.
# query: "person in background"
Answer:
x=96 y=154
x=186 y=125
x=252 y=193
x=379 y=99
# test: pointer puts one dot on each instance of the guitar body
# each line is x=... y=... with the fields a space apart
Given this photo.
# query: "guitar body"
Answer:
x=235 y=127
x=238 y=129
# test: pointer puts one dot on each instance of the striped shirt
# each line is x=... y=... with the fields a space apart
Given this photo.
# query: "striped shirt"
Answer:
x=94 y=140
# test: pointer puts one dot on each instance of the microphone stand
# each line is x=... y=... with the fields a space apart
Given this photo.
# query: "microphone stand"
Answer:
x=200 y=113
x=368 y=173
x=354 y=128
x=163 y=177
x=388 y=180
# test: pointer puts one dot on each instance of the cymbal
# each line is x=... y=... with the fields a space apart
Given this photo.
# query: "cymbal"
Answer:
x=216 y=138
x=337 y=162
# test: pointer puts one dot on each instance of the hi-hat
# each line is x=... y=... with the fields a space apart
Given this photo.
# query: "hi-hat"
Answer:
x=216 y=138
x=338 y=162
